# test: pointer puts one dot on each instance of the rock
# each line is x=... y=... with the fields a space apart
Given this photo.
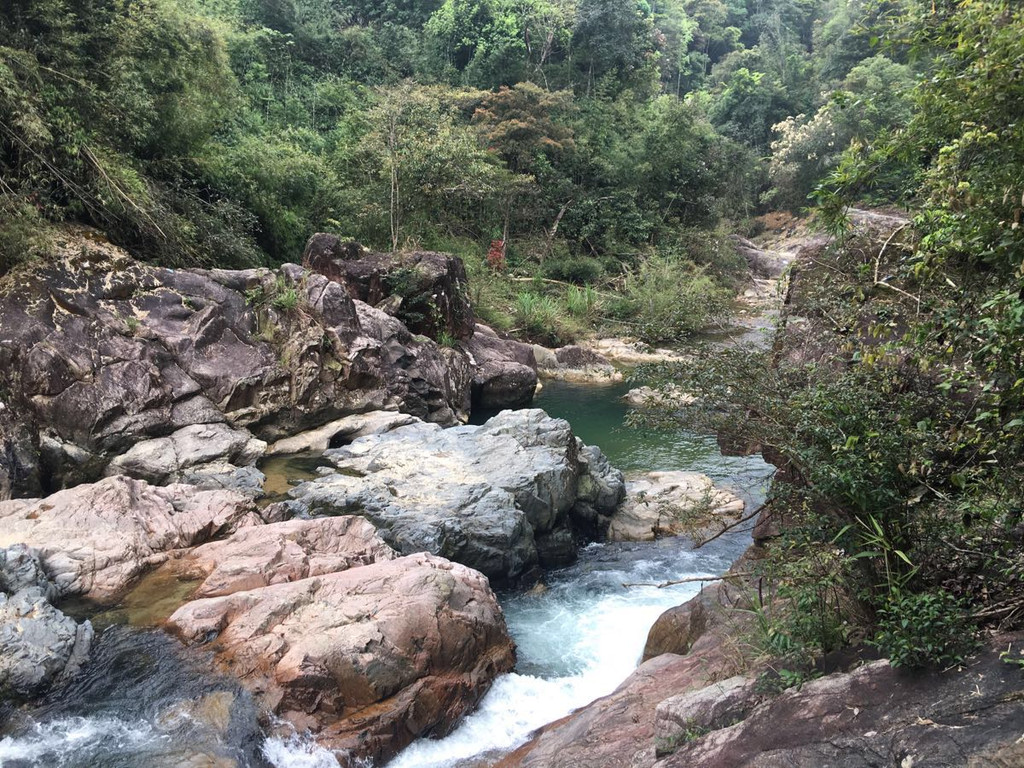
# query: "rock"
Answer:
x=671 y=396
x=672 y=503
x=344 y=430
x=426 y=381
x=689 y=716
x=878 y=716
x=281 y=552
x=146 y=351
x=368 y=659
x=221 y=476
x=505 y=373
x=578 y=364
x=678 y=628
x=431 y=287
x=764 y=264
x=481 y=496
x=38 y=643
x=629 y=352
x=95 y=540
x=166 y=459
x=21 y=568
x=19 y=456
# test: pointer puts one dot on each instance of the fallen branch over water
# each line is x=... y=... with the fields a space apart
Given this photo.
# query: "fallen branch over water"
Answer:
x=687 y=580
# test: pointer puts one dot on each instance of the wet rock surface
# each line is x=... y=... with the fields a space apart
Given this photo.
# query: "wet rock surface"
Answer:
x=493 y=497
x=38 y=644
x=94 y=540
x=367 y=658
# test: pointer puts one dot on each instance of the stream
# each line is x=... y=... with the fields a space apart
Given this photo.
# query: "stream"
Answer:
x=578 y=639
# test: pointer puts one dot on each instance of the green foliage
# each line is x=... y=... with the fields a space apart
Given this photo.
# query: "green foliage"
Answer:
x=574 y=269
x=924 y=629
x=537 y=314
x=669 y=298
x=24 y=236
x=581 y=302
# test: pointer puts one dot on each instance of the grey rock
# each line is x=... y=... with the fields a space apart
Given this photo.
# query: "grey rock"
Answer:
x=345 y=429
x=38 y=643
x=482 y=496
x=506 y=371
x=691 y=715
x=168 y=459
x=21 y=568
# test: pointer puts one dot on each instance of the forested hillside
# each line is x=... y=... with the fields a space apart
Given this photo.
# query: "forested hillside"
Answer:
x=593 y=138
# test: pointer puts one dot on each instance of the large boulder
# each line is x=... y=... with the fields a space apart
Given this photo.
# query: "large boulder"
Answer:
x=38 y=643
x=576 y=364
x=145 y=351
x=94 y=540
x=367 y=659
x=505 y=372
x=261 y=555
x=424 y=380
x=762 y=263
x=673 y=503
x=495 y=497
x=426 y=291
x=168 y=459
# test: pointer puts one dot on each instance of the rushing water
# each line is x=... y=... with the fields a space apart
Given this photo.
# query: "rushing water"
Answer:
x=143 y=701
x=583 y=635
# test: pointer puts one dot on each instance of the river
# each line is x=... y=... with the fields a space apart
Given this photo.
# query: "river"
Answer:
x=577 y=640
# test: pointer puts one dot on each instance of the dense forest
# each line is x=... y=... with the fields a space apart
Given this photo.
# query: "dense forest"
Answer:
x=594 y=139
x=586 y=152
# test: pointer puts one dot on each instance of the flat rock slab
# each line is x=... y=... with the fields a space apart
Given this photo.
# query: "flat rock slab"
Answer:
x=263 y=555
x=369 y=658
x=490 y=497
x=94 y=540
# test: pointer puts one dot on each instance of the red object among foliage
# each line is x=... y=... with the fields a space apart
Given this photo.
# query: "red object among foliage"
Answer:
x=496 y=255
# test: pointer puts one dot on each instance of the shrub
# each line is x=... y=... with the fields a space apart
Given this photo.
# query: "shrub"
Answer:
x=670 y=298
x=537 y=315
x=581 y=302
x=922 y=629
x=574 y=269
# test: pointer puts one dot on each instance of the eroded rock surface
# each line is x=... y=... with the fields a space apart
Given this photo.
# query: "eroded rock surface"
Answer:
x=262 y=555
x=38 y=643
x=169 y=459
x=506 y=370
x=94 y=540
x=101 y=352
x=499 y=498
x=369 y=658
x=672 y=503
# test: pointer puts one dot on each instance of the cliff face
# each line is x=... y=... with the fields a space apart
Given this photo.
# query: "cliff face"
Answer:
x=99 y=352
